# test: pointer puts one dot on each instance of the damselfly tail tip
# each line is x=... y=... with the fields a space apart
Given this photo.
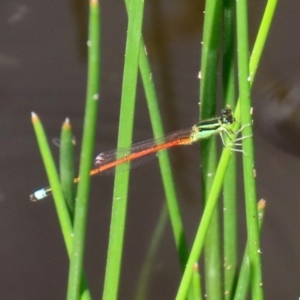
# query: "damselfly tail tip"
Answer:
x=38 y=195
x=32 y=198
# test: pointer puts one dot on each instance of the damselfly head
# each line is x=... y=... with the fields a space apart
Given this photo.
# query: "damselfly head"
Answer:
x=227 y=117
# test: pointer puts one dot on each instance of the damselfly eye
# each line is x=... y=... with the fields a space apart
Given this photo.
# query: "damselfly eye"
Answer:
x=227 y=117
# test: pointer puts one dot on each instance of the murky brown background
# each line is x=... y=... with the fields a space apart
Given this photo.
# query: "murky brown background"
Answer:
x=43 y=69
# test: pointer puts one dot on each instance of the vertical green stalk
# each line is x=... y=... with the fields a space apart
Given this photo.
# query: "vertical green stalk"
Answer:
x=261 y=38
x=218 y=181
x=66 y=166
x=117 y=228
x=248 y=148
x=86 y=159
x=52 y=174
x=164 y=161
x=59 y=201
x=208 y=97
x=244 y=276
x=230 y=185
x=196 y=283
x=149 y=262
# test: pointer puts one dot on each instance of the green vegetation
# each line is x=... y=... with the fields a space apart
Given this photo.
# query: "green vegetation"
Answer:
x=218 y=42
